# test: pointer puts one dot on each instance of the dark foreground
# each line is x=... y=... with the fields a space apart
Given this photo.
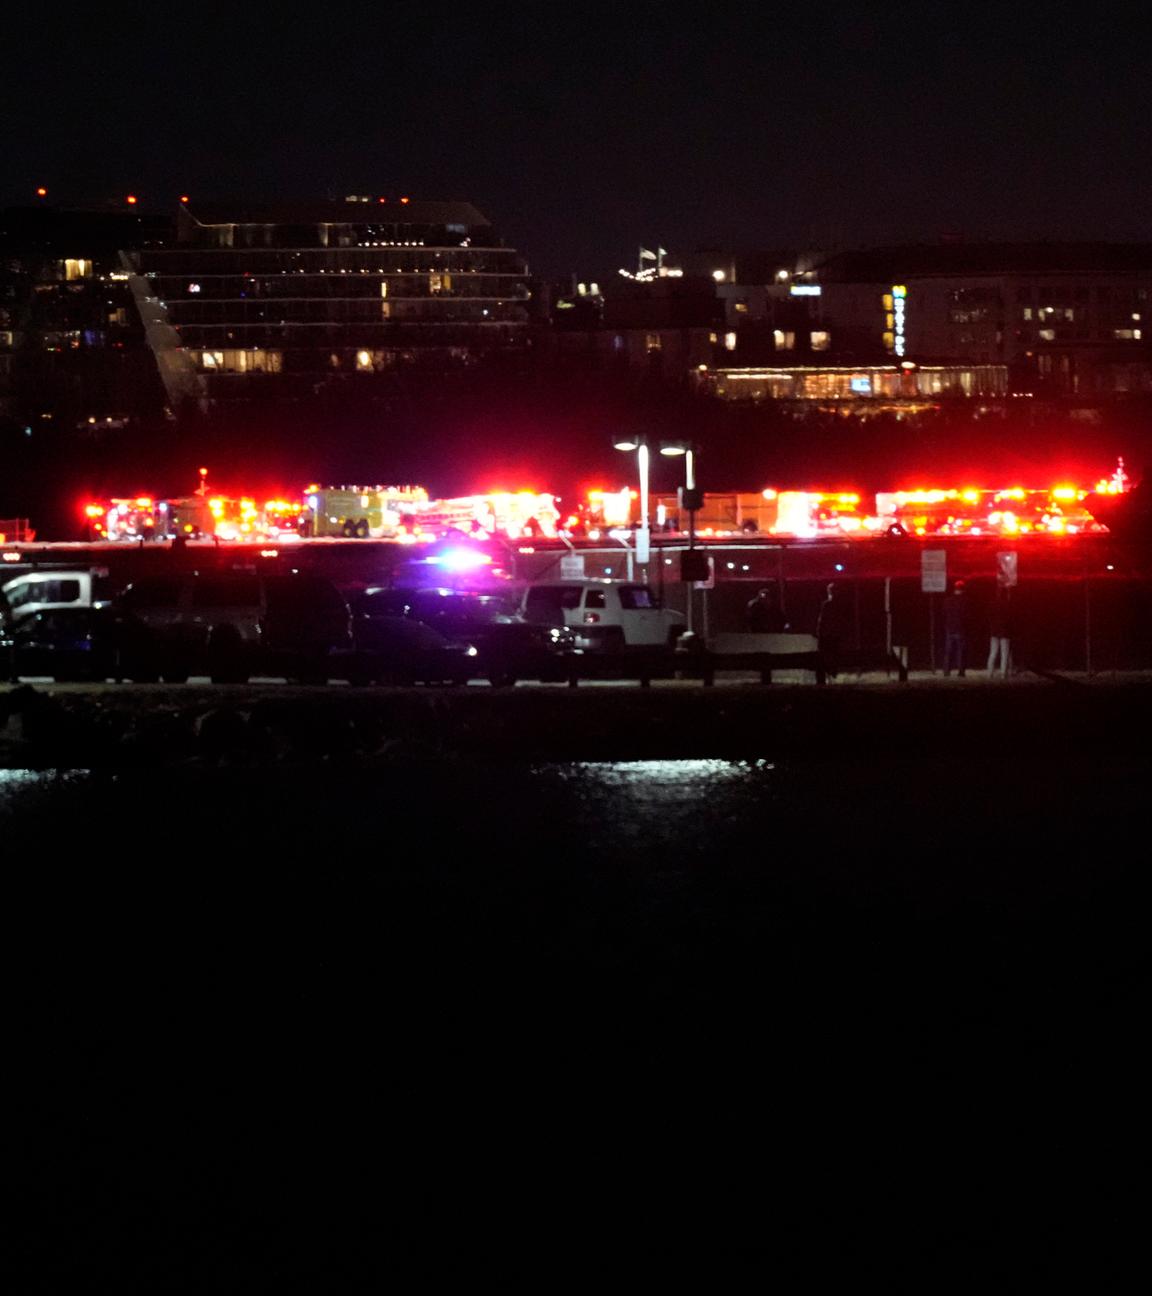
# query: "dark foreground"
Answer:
x=804 y=1011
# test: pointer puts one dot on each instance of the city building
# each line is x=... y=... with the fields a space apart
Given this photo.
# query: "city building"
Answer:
x=287 y=302
x=659 y=327
x=1066 y=319
x=859 y=390
x=72 y=351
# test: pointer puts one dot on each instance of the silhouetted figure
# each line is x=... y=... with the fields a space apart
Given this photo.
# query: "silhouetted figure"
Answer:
x=956 y=630
x=762 y=614
x=1000 y=627
x=832 y=630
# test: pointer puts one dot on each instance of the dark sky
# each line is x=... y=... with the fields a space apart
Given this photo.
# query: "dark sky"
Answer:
x=585 y=129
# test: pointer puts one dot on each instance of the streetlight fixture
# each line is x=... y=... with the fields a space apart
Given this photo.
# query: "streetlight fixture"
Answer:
x=693 y=563
x=643 y=535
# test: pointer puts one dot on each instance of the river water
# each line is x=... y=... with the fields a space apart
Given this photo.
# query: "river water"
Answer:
x=476 y=1017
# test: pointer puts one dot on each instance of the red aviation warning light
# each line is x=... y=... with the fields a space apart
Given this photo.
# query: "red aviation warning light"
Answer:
x=131 y=200
x=41 y=192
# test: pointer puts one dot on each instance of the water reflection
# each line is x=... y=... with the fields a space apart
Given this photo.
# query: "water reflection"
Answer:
x=698 y=775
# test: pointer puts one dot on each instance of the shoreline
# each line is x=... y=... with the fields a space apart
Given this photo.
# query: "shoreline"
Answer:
x=149 y=727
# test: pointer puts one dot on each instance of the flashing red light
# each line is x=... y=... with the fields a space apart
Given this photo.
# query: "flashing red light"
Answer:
x=131 y=200
x=381 y=199
x=404 y=200
x=183 y=198
x=41 y=192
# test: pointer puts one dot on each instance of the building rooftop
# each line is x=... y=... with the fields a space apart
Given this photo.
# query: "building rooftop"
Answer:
x=336 y=213
x=955 y=260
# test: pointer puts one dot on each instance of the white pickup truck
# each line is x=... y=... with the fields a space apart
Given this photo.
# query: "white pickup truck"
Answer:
x=605 y=615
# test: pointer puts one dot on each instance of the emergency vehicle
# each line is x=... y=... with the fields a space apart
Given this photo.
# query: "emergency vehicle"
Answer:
x=360 y=512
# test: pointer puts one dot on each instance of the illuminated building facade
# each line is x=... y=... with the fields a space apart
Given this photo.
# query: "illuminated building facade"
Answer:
x=72 y=353
x=288 y=301
x=856 y=389
x=1067 y=320
x=660 y=327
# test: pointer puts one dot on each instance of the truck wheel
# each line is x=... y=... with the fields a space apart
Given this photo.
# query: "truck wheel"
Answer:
x=362 y=529
x=348 y=530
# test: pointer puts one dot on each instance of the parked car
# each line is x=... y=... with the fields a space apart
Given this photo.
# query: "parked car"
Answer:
x=62 y=643
x=605 y=615
x=393 y=649
x=507 y=647
x=231 y=625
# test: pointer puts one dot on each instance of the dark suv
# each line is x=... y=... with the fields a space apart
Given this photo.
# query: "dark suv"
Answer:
x=231 y=625
x=507 y=647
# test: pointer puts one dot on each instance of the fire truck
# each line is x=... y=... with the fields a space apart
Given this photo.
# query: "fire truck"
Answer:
x=360 y=512
x=503 y=513
x=123 y=519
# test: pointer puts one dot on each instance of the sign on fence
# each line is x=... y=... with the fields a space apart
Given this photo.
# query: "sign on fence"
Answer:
x=934 y=571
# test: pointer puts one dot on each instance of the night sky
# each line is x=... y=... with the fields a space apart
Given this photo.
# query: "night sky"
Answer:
x=583 y=130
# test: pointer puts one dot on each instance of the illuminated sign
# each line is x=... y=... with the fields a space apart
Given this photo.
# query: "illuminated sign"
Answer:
x=861 y=385
x=899 y=300
x=805 y=290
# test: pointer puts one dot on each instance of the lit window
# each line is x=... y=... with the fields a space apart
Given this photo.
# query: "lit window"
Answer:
x=363 y=359
x=383 y=287
x=729 y=341
x=821 y=340
x=784 y=341
x=653 y=342
x=239 y=361
x=741 y=308
x=1047 y=335
x=1026 y=313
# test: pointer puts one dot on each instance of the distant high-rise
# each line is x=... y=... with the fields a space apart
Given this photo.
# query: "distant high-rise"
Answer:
x=286 y=302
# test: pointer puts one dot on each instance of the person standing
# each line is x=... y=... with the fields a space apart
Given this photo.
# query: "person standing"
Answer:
x=832 y=630
x=762 y=614
x=956 y=630
x=1000 y=634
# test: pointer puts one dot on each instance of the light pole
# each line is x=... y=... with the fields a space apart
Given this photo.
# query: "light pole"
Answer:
x=643 y=535
x=693 y=565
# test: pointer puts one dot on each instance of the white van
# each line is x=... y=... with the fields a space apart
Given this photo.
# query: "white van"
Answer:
x=48 y=591
x=605 y=615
